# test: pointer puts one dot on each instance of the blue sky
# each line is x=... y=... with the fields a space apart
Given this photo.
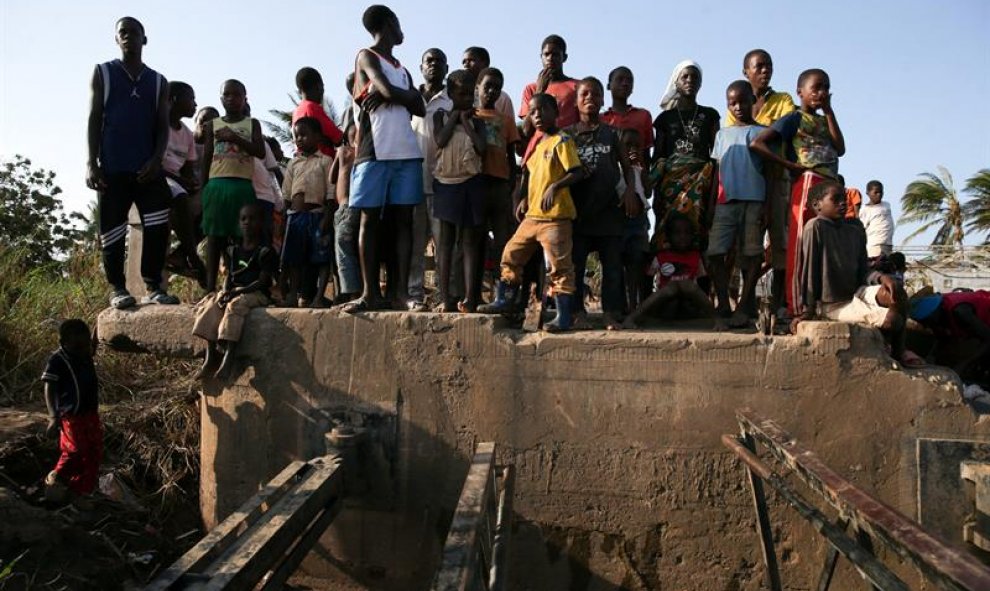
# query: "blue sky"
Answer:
x=909 y=77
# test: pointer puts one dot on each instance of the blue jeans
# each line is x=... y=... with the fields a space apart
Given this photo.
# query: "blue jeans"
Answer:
x=346 y=225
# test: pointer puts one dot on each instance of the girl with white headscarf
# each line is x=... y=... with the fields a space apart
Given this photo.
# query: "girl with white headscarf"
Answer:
x=683 y=171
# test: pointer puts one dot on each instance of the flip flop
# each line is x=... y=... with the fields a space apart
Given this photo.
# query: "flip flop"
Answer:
x=363 y=305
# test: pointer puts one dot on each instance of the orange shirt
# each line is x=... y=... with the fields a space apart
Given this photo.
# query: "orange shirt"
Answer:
x=565 y=92
x=854 y=199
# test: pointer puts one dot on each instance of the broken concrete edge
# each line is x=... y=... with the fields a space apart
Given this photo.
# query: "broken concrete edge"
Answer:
x=167 y=331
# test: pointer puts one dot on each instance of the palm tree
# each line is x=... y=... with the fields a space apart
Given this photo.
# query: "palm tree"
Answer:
x=934 y=203
x=977 y=209
x=281 y=128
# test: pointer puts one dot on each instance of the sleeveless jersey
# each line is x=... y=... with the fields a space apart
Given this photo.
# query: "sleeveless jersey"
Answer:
x=228 y=158
x=130 y=109
x=386 y=133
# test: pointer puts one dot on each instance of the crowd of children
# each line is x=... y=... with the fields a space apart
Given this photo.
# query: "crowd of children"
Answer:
x=448 y=161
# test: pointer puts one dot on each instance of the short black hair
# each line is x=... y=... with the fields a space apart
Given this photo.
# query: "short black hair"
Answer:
x=742 y=86
x=375 y=17
x=493 y=72
x=435 y=50
x=812 y=72
x=461 y=79
x=132 y=19
x=674 y=218
x=272 y=142
x=817 y=193
x=542 y=97
x=555 y=40
x=616 y=71
x=207 y=108
x=898 y=260
x=591 y=81
x=309 y=122
x=237 y=82
x=873 y=183
x=177 y=89
x=308 y=78
x=71 y=328
x=479 y=52
x=349 y=83
x=753 y=52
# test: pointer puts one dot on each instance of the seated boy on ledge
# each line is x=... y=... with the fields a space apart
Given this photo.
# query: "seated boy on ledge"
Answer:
x=834 y=277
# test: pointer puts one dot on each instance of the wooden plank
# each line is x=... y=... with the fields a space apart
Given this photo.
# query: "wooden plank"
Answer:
x=224 y=535
x=949 y=568
x=831 y=559
x=763 y=522
x=871 y=568
x=498 y=575
x=301 y=549
x=457 y=564
x=254 y=554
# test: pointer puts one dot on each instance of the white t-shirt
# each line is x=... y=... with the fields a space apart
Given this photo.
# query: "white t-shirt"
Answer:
x=265 y=185
x=423 y=126
x=181 y=149
x=879 y=223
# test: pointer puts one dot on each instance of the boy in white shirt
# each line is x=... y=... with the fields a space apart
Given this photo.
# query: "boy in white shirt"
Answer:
x=878 y=221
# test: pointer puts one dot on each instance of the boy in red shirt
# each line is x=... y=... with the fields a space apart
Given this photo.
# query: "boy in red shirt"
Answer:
x=309 y=83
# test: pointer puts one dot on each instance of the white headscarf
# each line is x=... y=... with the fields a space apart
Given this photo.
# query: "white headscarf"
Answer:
x=669 y=99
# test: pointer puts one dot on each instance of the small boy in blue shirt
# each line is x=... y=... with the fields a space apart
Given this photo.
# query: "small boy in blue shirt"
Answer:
x=739 y=210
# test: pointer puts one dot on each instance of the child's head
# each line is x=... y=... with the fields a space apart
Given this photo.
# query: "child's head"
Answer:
x=204 y=116
x=130 y=35
x=898 y=261
x=182 y=99
x=490 y=83
x=590 y=96
x=306 y=132
x=233 y=97
x=813 y=88
x=739 y=99
x=349 y=83
x=874 y=190
x=680 y=232
x=382 y=23
x=631 y=140
x=310 y=84
x=433 y=65
x=460 y=89
x=758 y=69
x=275 y=147
x=688 y=82
x=620 y=83
x=476 y=59
x=543 y=111
x=74 y=337
x=250 y=221
x=829 y=200
x=553 y=53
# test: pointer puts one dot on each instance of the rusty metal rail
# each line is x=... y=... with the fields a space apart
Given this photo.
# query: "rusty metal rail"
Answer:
x=871 y=519
x=475 y=555
x=262 y=543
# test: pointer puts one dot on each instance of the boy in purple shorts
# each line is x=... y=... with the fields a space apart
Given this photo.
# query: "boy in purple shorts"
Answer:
x=388 y=164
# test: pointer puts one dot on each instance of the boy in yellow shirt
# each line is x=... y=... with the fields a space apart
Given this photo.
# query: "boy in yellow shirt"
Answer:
x=545 y=215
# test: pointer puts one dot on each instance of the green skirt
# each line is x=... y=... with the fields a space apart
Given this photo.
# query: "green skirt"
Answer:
x=222 y=199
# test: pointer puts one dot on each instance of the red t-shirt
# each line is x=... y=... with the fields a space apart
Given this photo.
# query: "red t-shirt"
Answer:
x=634 y=118
x=670 y=265
x=979 y=299
x=308 y=108
x=565 y=92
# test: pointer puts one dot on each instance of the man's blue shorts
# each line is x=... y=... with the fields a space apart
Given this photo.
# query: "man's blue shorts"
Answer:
x=376 y=183
x=304 y=243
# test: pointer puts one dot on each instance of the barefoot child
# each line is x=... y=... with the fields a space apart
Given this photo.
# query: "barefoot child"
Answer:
x=459 y=190
x=834 y=278
x=676 y=270
x=72 y=395
x=878 y=221
x=220 y=316
x=309 y=202
x=179 y=166
x=232 y=142
x=545 y=214
x=601 y=210
x=636 y=230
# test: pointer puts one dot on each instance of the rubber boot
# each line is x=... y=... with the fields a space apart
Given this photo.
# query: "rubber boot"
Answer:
x=564 y=319
x=505 y=296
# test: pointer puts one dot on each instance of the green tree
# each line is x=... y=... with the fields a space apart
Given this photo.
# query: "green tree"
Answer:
x=933 y=202
x=31 y=216
x=281 y=127
x=977 y=209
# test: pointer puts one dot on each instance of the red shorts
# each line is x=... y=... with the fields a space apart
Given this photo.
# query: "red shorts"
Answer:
x=81 y=444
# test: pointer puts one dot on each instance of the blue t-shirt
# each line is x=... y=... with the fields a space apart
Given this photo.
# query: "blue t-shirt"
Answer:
x=740 y=169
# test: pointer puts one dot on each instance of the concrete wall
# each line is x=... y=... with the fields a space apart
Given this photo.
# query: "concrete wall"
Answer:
x=622 y=481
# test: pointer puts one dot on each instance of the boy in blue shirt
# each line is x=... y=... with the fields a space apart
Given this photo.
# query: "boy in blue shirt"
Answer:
x=739 y=210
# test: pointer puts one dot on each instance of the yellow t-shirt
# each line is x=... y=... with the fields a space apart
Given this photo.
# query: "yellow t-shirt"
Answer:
x=228 y=159
x=778 y=104
x=552 y=158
